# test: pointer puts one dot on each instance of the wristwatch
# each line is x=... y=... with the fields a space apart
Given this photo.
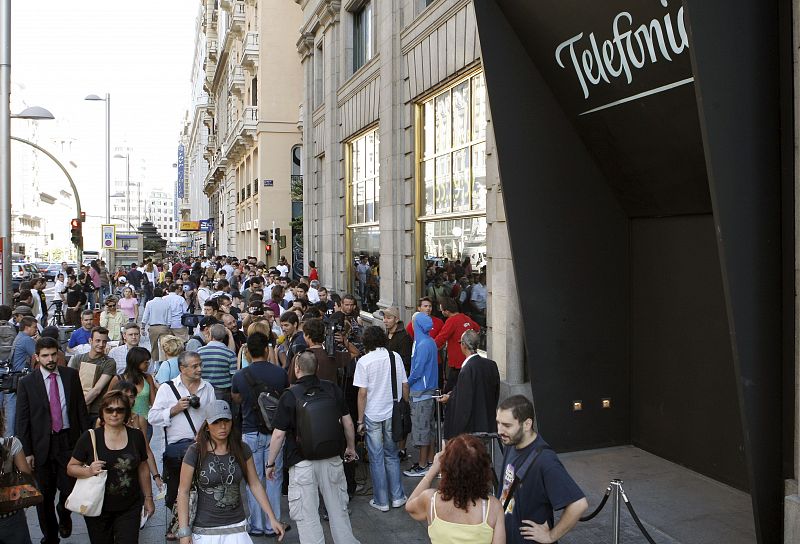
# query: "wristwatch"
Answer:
x=183 y=532
x=270 y=465
x=156 y=475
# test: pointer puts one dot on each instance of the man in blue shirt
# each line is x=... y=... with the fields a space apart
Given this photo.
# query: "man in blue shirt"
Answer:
x=22 y=350
x=260 y=371
x=83 y=334
x=535 y=483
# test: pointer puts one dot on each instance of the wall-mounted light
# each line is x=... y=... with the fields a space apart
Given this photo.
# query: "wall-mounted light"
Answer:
x=605 y=403
x=577 y=405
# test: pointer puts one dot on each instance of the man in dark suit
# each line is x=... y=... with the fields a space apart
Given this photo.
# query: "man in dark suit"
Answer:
x=472 y=404
x=51 y=415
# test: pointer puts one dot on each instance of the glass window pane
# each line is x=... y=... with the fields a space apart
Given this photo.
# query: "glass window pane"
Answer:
x=362 y=158
x=461 y=180
x=369 y=145
x=370 y=201
x=377 y=193
x=360 y=204
x=443 y=199
x=479 y=177
x=356 y=160
x=461 y=114
x=428 y=119
x=427 y=172
x=365 y=242
x=443 y=122
x=478 y=108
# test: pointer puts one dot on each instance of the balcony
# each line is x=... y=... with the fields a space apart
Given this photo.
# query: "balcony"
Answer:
x=211 y=49
x=236 y=79
x=236 y=20
x=250 y=51
x=249 y=122
x=211 y=146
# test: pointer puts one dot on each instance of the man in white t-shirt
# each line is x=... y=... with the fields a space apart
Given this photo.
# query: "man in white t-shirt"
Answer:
x=283 y=268
x=131 y=334
x=375 y=403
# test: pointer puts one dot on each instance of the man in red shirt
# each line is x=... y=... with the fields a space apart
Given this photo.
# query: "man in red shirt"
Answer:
x=425 y=306
x=455 y=325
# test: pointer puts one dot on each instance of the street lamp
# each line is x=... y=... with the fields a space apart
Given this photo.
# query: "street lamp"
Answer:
x=107 y=100
x=33 y=113
x=127 y=158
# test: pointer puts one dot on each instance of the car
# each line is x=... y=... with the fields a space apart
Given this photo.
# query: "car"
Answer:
x=52 y=271
x=42 y=267
x=22 y=272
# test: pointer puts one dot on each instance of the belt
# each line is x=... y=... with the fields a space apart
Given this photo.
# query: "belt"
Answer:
x=62 y=431
x=159 y=325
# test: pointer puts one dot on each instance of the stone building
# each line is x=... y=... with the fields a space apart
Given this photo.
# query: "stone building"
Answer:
x=253 y=85
x=399 y=157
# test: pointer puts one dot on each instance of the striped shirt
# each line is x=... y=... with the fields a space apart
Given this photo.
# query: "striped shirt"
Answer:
x=218 y=363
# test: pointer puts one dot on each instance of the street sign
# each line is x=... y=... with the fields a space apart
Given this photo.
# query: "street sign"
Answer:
x=109 y=236
x=269 y=183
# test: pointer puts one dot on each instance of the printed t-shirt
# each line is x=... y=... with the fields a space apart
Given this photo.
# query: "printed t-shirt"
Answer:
x=219 y=497
x=545 y=488
x=123 y=491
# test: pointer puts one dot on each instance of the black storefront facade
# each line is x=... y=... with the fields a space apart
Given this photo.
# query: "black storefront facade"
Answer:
x=646 y=155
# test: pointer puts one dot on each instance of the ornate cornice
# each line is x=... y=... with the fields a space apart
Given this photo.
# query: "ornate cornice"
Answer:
x=305 y=45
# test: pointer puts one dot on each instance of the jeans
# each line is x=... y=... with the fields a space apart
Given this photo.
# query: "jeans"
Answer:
x=105 y=290
x=14 y=528
x=259 y=444
x=9 y=403
x=384 y=462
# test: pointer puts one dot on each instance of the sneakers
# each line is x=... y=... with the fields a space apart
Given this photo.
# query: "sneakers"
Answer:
x=376 y=506
x=417 y=471
x=399 y=502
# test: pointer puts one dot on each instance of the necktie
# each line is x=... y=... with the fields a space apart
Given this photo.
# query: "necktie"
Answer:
x=55 y=404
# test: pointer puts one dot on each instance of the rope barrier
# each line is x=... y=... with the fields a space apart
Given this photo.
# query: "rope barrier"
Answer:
x=619 y=493
x=599 y=506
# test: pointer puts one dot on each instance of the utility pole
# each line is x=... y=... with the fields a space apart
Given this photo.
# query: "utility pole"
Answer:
x=5 y=149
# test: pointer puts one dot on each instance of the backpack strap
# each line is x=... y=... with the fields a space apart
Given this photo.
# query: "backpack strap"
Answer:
x=393 y=377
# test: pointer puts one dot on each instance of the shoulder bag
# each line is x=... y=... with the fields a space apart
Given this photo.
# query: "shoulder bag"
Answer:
x=87 y=496
x=401 y=411
x=17 y=489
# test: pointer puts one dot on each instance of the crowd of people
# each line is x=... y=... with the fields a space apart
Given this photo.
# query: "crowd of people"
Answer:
x=263 y=386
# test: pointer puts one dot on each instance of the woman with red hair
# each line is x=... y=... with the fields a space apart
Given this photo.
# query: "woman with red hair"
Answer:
x=462 y=510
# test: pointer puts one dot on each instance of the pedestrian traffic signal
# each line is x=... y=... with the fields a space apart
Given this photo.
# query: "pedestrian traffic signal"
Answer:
x=76 y=229
x=268 y=249
x=264 y=236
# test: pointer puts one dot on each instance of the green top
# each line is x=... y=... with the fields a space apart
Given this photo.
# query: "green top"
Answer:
x=142 y=404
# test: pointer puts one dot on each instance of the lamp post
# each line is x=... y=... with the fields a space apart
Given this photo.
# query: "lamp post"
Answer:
x=107 y=100
x=127 y=158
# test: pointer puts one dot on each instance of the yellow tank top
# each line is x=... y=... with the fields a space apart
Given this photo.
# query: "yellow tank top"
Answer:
x=446 y=532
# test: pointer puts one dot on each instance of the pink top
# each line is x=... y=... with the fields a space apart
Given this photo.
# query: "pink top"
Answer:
x=127 y=305
x=95 y=277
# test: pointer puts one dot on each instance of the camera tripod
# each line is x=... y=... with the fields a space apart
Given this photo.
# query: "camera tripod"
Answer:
x=57 y=318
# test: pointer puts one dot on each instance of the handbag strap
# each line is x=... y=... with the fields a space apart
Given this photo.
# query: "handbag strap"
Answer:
x=185 y=412
x=393 y=377
x=94 y=443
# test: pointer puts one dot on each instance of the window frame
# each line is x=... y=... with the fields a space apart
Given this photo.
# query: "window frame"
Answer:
x=363 y=33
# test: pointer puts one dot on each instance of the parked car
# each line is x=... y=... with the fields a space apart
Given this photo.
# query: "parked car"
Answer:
x=22 y=272
x=42 y=267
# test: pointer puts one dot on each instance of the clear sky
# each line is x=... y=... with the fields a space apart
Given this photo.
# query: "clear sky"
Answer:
x=138 y=51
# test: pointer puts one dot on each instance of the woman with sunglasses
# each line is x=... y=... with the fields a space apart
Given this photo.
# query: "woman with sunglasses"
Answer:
x=216 y=464
x=113 y=319
x=122 y=452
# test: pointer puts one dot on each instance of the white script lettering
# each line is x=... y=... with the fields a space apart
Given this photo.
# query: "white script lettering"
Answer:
x=652 y=41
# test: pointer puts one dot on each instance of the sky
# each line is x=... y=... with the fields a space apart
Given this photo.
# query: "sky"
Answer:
x=140 y=52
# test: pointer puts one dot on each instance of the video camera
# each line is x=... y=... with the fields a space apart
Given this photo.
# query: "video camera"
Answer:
x=334 y=324
x=9 y=378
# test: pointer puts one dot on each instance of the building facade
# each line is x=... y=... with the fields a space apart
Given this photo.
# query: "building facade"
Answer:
x=160 y=210
x=253 y=84
x=400 y=173
x=192 y=166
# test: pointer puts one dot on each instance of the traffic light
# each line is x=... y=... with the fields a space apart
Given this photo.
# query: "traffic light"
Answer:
x=268 y=249
x=277 y=234
x=76 y=228
x=264 y=235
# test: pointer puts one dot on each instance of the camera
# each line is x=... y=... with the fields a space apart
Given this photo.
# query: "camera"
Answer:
x=194 y=402
x=334 y=324
x=9 y=378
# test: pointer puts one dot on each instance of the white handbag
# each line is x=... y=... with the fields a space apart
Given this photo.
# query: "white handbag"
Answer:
x=87 y=496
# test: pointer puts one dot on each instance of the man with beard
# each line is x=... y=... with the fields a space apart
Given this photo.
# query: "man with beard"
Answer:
x=535 y=483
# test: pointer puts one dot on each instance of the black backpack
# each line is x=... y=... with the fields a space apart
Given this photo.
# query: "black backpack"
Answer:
x=319 y=431
x=265 y=401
